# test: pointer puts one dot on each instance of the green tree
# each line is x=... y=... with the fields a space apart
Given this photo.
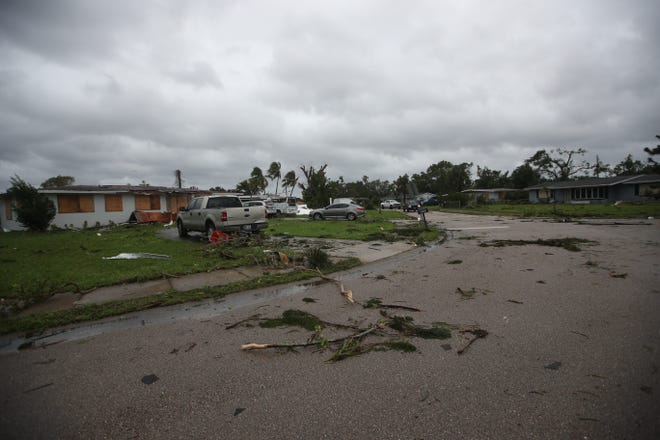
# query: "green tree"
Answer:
x=289 y=181
x=524 y=176
x=35 y=211
x=315 y=191
x=444 y=178
x=559 y=164
x=487 y=178
x=654 y=165
x=275 y=172
x=630 y=167
x=402 y=187
x=58 y=182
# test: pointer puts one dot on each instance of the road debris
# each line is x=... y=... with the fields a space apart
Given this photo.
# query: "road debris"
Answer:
x=138 y=255
x=553 y=366
x=149 y=379
x=478 y=334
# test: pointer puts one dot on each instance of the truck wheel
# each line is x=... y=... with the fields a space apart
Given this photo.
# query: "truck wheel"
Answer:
x=210 y=229
x=317 y=216
x=183 y=232
x=350 y=216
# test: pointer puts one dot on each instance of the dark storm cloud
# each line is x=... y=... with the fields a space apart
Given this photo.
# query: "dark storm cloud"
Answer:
x=113 y=92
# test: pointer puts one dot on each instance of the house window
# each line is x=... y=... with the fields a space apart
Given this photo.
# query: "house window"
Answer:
x=589 y=193
x=147 y=202
x=113 y=203
x=75 y=203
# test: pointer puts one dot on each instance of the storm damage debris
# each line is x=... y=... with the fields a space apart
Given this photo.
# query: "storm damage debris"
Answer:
x=568 y=243
x=353 y=344
x=478 y=334
x=149 y=379
x=138 y=255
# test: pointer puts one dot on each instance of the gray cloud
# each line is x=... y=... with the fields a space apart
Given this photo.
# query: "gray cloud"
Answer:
x=113 y=92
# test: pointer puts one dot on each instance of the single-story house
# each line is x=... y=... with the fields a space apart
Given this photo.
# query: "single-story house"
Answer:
x=598 y=190
x=488 y=195
x=78 y=206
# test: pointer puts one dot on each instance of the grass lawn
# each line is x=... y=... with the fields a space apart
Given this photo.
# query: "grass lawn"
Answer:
x=364 y=228
x=625 y=210
x=37 y=265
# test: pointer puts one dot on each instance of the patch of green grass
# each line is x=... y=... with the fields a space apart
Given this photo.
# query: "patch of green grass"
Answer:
x=373 y=224
x=38 y=323
x=625 y=210
x=40 y=264
x=569 y=243
x=293 y=317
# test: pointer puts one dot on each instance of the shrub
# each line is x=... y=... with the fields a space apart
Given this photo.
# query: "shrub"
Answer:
x=35 y=211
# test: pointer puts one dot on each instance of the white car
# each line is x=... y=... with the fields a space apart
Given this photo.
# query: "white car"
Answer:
x=268 y=206
x=390 y=204
x=302 y=210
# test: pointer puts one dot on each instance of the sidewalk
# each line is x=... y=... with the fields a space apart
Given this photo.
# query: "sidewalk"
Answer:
x=365 y=251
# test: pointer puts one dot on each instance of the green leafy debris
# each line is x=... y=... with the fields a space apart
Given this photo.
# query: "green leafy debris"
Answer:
x=404 y=324
x=568 y=243
x=293 y=317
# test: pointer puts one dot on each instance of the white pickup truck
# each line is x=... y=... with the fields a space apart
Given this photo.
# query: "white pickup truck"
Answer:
x=220 y=212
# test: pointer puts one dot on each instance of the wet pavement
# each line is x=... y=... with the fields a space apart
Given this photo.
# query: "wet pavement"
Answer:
x=573 y=351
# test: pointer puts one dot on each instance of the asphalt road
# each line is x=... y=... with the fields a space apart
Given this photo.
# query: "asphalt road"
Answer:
x=573 y=351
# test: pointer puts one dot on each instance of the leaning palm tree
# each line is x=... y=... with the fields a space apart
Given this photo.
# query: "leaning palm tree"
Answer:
x=275 y=172
x=289 y=181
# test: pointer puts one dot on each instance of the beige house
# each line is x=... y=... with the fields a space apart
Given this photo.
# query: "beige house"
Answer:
x=84 y=205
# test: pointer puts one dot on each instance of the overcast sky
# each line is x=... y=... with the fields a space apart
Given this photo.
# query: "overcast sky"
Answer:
x=114 y=92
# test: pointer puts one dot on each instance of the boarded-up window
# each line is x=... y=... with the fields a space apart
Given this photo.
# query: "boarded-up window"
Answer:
x=147 y=202
x=113 y=203
x=176 y=202
x=78 y=203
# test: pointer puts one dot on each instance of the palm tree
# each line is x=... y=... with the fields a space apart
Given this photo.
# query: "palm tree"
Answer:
x=257 y=180
x=275 y=172
x=289 y=181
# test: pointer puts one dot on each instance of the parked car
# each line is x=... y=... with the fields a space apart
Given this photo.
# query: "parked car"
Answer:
x=349 y=211
x=268 y=206
x=390 y=204
x=302 y=210
x=411 y=205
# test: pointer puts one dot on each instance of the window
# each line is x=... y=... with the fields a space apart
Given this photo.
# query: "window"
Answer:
x=147 y=202
x=195 y=204
x=223 y=202
x=599 y=192
x=113 y=203
x=75 y=203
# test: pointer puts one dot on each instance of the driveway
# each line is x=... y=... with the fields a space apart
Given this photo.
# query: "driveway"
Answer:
x=573 y=351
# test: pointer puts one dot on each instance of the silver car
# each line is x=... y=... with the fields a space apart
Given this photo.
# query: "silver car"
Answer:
x=349 y=211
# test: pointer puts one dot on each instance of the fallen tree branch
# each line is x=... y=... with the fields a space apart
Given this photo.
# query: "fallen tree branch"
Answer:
x=242 y=321
x=359 y=335
x=478 y=334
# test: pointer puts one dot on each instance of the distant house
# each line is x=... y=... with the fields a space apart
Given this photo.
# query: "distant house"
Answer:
x=488 y=195
x=598 y=190
x=83 y=205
